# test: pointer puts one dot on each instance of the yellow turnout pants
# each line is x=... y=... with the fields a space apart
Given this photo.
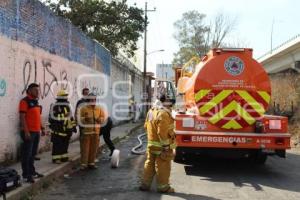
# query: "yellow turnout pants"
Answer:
x=88 y=146
x=162 y=168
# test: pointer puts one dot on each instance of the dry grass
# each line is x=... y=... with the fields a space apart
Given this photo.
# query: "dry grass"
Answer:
x=294 y=129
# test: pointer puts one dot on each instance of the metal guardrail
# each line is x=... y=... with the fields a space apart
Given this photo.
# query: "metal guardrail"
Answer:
x=281 y=45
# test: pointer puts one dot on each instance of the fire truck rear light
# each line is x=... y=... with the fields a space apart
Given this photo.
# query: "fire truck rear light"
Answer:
x=279 y=141
x=188 y=122
x=186 y=138
x=275 y=124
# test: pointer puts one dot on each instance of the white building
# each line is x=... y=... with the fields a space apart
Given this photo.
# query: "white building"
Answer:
x=165 y=71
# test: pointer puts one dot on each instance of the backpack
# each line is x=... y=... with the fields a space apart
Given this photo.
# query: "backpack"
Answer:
x=9 y=179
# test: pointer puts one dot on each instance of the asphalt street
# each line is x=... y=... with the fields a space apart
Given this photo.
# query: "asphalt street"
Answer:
x=204 y=178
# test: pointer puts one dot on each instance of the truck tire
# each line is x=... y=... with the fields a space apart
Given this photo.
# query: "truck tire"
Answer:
x=260 y=158
x=178 y=156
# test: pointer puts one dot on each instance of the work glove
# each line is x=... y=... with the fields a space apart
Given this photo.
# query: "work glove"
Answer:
x=167 y=154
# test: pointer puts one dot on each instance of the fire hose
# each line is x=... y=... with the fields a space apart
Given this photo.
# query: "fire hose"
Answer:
x=135 y=150
x=115 y=158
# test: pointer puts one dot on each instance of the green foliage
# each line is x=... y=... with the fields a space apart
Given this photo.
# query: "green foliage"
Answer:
x=114 y=24
x=195 y=37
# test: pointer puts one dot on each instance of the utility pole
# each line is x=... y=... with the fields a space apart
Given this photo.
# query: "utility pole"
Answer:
x=145 y=54
x=272 y=32
x=271 y=50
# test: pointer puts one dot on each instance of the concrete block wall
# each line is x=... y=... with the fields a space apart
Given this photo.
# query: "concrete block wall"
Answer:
x=126 y=84
x=37 y=46
x=120 y=89
x=138 y=90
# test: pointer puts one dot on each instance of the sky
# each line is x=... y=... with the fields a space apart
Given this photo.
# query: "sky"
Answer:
x=253 y=26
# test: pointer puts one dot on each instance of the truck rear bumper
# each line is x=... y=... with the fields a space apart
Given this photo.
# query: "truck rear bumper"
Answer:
x=233 y=140
x=227 y=152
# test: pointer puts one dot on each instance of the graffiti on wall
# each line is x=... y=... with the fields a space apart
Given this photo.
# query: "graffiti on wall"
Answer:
x=48 y=77
x=2 y=87
x=92 y=85
x=44 y=74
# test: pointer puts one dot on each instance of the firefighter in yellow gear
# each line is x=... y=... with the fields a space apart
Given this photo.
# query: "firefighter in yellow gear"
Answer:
x=62 y=125
x=161 y=143
x=91 y=117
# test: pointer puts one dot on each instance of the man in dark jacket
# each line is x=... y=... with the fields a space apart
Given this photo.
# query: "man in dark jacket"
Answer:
x=80 y=103
x=105 y=131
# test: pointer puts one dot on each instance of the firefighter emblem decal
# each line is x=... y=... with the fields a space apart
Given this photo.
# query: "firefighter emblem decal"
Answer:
x=234 y=65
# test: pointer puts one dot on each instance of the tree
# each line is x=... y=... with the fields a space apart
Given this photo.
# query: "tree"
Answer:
x=114 y=24
x=195 y=37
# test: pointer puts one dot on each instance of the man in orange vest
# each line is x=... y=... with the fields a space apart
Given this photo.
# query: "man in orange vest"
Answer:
x=31 y=128
x=161 y=143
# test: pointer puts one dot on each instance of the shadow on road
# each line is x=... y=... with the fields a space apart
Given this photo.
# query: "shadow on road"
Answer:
x=276 y=173
x=192 y=196
x=157 y=196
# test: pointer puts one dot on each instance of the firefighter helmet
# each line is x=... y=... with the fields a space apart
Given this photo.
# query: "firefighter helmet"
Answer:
x=62 y=93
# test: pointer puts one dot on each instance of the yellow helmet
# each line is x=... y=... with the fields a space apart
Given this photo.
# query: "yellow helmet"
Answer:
x=62 y=93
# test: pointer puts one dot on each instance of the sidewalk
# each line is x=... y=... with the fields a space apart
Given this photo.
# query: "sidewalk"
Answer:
x=54 y=171
x=294 y=150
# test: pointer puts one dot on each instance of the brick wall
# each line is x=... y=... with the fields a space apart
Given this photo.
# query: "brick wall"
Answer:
x=37 y=46
x=31 y=22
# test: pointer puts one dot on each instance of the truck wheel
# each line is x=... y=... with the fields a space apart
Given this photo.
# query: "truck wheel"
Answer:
x=179 y=157
x=260 y=159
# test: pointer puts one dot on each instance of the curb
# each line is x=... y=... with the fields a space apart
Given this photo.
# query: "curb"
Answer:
x=131 y=131
x=294 y=150
x=27 y=190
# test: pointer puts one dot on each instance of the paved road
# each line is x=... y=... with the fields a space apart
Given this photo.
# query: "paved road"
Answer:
x=208 y=179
